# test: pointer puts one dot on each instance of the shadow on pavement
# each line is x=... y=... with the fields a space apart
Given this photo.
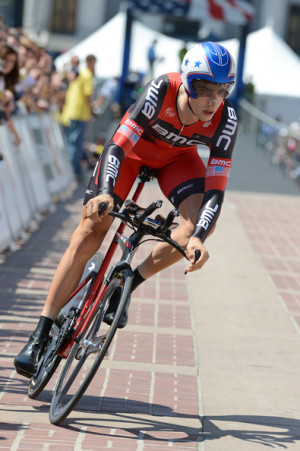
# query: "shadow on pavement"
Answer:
x=270 y=431
x=263 y=430
x=156 y=421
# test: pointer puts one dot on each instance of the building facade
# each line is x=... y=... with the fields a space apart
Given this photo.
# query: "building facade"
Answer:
x=59 y=24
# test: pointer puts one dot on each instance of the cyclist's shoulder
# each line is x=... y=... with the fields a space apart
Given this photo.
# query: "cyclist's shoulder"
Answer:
x=166 y=81
x=174 y=77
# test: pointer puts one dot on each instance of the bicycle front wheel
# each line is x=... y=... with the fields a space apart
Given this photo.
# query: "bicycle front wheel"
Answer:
x=88 y=351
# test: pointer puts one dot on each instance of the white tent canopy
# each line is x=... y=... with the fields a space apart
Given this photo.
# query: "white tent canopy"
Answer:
x=107 y=44
x=269 y=62
x=274 y=69
x=272 y=66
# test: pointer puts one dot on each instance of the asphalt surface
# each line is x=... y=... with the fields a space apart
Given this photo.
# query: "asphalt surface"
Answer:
x=209 y=361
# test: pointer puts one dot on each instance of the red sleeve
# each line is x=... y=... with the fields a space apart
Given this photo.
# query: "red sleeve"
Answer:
x=217 y=173
x=127 y=134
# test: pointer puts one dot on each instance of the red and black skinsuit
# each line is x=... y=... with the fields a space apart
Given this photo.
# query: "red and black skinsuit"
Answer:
x=151 y=134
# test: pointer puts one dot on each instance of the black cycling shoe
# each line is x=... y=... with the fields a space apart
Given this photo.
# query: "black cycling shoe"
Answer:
x=27 y=360
x=112 y=308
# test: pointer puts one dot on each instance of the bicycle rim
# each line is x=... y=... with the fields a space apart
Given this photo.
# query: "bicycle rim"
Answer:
x=88 y=352
x=46 y=369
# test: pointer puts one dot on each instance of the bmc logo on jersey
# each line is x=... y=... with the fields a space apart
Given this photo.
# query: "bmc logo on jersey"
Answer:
x=174 y=138
x=112 y=169
x=151 y=99
x=229 y=129
x=207 y=217
x=134 y=126
x=220 y=162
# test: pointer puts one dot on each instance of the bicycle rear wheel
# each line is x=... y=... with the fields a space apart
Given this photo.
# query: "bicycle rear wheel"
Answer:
x=88 y=351
x=47 y=366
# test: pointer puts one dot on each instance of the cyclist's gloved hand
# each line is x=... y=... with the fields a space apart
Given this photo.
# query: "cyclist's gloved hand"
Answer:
x=195 y=246
x=92 y=207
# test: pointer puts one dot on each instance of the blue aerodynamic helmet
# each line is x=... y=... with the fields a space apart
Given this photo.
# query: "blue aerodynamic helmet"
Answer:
x=208 y=61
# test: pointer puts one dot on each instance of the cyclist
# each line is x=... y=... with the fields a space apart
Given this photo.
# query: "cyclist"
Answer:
x=174 y=113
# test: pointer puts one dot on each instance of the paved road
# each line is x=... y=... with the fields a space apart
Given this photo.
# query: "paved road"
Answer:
x=208 y=361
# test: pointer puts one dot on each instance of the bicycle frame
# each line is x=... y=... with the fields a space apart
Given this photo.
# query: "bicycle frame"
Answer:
x=98 y=287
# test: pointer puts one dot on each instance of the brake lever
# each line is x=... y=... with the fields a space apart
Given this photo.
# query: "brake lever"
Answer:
x=102 y=207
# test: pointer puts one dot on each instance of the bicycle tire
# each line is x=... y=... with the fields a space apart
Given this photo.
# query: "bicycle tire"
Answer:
x=70 y=388
x=47 y=368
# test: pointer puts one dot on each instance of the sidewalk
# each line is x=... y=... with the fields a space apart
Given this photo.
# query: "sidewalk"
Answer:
x=208 y=361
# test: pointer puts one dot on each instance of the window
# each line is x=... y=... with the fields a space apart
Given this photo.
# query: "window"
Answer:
x=293 y=27
x=64 y=16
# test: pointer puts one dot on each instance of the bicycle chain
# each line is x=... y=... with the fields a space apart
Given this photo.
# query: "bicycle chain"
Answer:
x=65 y=333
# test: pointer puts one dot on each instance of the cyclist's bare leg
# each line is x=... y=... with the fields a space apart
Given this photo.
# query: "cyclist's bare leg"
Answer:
x=84 y=243
x=164 y=255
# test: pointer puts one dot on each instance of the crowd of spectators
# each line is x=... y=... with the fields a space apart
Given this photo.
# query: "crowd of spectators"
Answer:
x=30 y=82
x=27 y=69
x=27 y=76
x=281 y=144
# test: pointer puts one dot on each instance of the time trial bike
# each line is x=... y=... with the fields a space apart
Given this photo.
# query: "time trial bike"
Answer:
x=79 y=335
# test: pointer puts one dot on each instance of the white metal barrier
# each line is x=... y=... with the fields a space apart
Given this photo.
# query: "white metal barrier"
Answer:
x=33 y=175
x=62 y=170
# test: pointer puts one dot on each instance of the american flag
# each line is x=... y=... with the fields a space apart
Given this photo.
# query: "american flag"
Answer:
x=238 y=12
x=172 y=7
x=129 y=133
x=213 y=171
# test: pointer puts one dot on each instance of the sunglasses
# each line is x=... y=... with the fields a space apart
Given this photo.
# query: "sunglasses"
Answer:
x=210 y=89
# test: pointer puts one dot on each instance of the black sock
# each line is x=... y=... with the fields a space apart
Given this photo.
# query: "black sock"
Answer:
x=137 y=280
x=43 y=328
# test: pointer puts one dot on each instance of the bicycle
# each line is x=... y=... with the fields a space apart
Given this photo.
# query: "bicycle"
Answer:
x=80 y=335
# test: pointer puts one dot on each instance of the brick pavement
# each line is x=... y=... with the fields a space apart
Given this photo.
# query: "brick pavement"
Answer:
x=272 y=224
x=161 y=386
